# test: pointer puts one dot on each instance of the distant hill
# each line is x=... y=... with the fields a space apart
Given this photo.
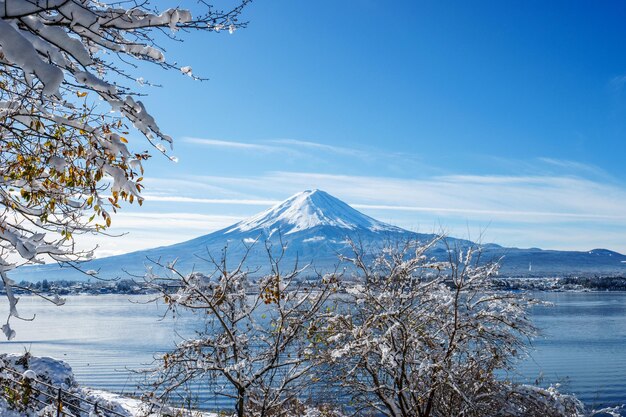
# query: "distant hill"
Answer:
x=314 y=226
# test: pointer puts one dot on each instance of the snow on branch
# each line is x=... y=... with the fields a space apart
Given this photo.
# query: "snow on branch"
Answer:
x=67 y=104
x=420 y=337
x=258 y=339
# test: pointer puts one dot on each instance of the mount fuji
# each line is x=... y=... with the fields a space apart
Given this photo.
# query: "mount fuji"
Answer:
x=314 y=227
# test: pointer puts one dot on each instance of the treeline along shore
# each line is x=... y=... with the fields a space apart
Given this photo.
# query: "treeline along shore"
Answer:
x=133 y=287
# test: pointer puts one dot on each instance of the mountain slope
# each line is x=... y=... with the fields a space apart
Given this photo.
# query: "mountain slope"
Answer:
x=313 y=227
x=310 y=209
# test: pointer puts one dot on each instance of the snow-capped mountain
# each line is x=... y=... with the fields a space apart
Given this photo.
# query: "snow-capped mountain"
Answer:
x=314 y=227
x=307 y=210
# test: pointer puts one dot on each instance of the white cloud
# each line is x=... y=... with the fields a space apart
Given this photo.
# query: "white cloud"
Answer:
x=172 y=220
x=496 y=213
x=322 y=147
x=565 y=163
x=617 y=83
x=548 y=211
x=523 y=198
x=180 y=199
x=217 y=143
x=535 y=197
x=143 y=230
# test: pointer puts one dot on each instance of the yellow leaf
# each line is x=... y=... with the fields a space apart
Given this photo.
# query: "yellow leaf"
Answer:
x=81 y=93
x=123 y=139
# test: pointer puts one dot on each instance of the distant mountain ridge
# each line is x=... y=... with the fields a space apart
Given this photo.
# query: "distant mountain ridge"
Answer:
x=314 y=227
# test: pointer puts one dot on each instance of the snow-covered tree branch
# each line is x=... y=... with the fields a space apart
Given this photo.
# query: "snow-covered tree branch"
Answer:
x=68 y=98
x=417 y=337
x=256 y=345
x=405 y=336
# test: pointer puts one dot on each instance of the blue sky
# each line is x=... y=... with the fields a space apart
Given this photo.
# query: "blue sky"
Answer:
x=501 y=118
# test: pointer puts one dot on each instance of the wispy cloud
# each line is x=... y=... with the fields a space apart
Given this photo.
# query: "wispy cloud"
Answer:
x=144 y=230
x=520 y=199
x=278 y=145
x=295 y=143
x=183 y=221
x=575 y=167
x=498 y=213
x=513 y=198
x=311 y=151
x=218 y=143
x=180 y=199
x=617 y=83
x=547 y=210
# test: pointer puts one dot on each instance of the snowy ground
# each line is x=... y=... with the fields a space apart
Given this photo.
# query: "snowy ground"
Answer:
x=59 y=374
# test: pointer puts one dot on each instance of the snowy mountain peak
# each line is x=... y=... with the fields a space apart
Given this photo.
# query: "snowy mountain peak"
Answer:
x=309 y=209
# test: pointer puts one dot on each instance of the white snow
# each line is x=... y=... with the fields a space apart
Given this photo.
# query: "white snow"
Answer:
x=314 y=239
x=51 y=370
x=59 y=374
x=309 y=209
x=20 y=51
x=30 y=374
x=57 y=163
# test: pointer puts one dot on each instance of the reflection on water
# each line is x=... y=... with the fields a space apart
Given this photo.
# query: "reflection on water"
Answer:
x=583 y=343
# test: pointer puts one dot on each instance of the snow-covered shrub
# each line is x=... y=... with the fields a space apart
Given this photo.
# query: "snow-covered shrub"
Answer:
x=52 y=371
x=19 y=392
x=423 y=338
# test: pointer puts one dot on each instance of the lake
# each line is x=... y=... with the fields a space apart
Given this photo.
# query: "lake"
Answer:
x=582 y=346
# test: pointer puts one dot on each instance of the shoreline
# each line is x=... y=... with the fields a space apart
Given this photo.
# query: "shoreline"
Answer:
x=130 y=287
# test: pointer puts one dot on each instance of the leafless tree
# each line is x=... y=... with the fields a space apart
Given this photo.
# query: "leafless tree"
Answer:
x=257 y=340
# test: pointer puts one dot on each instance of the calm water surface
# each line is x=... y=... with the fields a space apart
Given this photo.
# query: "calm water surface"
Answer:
x=583 y=346
x=583 y=342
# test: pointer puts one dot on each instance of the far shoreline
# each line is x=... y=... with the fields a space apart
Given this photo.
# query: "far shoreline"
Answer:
x=64 y=288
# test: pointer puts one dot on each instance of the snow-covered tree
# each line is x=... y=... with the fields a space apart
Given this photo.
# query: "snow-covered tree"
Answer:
x=256 y=341
x=68 y=97
x=424 y=338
